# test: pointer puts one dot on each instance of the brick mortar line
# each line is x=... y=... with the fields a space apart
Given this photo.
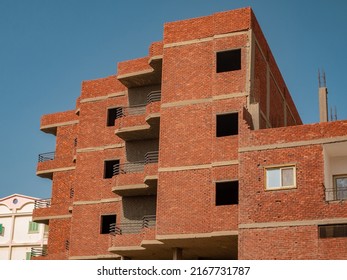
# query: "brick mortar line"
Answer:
x=92 y=202
x=102 y=98
x=59 y=124
x=206 y=39
x=293 y=144
x=100 y=148
x=204 y=100
x=200 y=166
x=293 y=223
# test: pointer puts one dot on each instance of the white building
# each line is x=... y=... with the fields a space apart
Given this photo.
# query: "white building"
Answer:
x=18 y=234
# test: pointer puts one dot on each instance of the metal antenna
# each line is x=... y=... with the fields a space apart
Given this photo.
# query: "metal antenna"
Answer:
x=322 y=82
x=335 y=114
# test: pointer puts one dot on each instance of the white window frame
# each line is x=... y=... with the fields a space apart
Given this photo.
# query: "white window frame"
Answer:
x=280 y=168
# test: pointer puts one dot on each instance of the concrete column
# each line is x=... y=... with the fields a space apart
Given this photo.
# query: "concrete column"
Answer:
x=177 y=254
x=323 y=104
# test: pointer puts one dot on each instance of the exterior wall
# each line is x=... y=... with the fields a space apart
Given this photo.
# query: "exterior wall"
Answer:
x=286 y=221
x=85 y=239
x=268 y=87
x=16 y=240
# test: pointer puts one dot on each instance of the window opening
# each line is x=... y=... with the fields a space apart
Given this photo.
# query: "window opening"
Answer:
x=108 y=168
x=331 y=231
x=228 y=61
x=106 y=221
x=227 y=124
x=112 y=115
x=227 y=193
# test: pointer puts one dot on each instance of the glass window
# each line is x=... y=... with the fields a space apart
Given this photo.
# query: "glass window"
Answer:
x=33 y=227
x=340 y=187
x=280 y=177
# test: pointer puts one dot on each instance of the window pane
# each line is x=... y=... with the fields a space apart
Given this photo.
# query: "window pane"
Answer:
x=33 y=227
x=273 y=178
x=341 y=188
x=287 y=177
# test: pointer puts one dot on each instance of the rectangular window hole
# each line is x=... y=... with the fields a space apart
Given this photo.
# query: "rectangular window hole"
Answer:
x=113 y=114
x=227 y=193
x=109 y=168
x=227 y=124
x=228 y=61
x=106 y=221
x=331 y=231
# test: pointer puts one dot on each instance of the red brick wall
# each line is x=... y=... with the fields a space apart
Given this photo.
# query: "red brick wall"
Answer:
x=86 y=239
x=90 y=182
x=101 y=87
x=278 y=243
x=135 y=65
x=58 y=118
x=59 y=232
x=93 y=131
x=155 y=49
x=198 y=28
x=274 y=70
x=187 y=72
x=304 y=203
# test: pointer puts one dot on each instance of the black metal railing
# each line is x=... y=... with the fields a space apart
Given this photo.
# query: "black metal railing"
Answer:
x=133 y=227
x=138 y=109
x=42 y=203
x=137 y=166
x=131 y=111
x=46 y=156
x=151 y=157
x=39 y=252
x=339 y=193
x=154 y=96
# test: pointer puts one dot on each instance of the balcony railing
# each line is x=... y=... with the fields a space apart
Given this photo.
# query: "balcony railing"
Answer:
x=154 y=96
x=46 y=156
x=336 y=193
x=138 y=166
x=39 y=252
x=139 y=109
x=151 y=157
x=133 y=227
x=42 y=203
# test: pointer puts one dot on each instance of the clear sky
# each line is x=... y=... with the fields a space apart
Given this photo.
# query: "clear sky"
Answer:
x=47 y=48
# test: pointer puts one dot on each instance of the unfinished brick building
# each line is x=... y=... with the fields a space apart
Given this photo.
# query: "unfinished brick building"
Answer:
x=195 y=151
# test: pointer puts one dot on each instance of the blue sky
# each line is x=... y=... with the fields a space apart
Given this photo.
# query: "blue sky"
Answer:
x=47 y=48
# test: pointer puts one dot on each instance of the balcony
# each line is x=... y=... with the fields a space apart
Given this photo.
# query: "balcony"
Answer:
x=140 y=121
x=42 y=211
x=49 y=163
x=137 y=239
x=42 y=203
x=46 y=156
x=137 y=178
x=133 y=227
x=335 y=171
x=39 y=252
x=137 y=72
